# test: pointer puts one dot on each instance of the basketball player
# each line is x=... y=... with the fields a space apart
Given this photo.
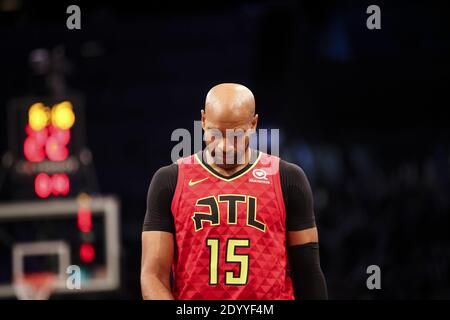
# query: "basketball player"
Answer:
x=239 y=229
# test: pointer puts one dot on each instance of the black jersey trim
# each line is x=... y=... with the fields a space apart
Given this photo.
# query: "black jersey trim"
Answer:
x=255 y=154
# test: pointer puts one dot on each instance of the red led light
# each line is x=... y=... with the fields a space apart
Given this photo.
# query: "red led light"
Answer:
x=61 y=135
x=43 y=185
x=87 y=252
x=54 y=150
x=60 y=184
x=32 y=150
x=33 y=145
x=84 y=219
x=50 y=141
x=40 y=136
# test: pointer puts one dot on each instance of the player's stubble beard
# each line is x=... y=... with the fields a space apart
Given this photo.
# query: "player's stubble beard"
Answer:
x=238 y=159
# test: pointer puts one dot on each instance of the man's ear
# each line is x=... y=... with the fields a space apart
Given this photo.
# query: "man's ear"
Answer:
x=255 y=122
x=203 y=119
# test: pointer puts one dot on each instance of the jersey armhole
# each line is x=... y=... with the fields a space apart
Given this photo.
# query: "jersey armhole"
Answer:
x=278 y=188
x=178 y=189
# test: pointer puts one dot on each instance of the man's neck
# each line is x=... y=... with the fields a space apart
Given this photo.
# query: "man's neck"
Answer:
x=231 y=170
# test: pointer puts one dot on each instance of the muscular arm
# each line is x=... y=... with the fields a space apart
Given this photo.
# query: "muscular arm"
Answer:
x=158 y=236
x=302 y=235
x=157 y=256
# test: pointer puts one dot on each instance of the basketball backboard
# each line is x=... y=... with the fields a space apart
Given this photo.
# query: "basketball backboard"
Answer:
x=44 y=236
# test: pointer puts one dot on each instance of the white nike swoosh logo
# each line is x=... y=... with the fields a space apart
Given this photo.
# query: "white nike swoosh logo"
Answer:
x=193 y=183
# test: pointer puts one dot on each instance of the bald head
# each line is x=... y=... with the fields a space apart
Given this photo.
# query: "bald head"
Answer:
x=230 y=101
x=229 y=108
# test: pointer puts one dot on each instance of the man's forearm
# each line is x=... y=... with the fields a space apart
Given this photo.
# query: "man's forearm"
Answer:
x=155 y=289
x=307 y=276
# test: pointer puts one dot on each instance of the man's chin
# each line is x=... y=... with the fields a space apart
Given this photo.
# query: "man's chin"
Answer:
x=227 y=166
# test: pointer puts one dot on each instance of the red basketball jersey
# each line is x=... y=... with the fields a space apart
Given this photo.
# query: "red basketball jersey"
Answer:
x=230 y=233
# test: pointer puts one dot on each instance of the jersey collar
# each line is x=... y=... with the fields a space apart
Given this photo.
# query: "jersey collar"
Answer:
x=255 y=156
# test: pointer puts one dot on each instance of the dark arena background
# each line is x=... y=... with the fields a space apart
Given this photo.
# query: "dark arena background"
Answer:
x=363 y=112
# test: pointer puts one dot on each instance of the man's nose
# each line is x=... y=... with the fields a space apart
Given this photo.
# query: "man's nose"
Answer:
x=225 y=146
